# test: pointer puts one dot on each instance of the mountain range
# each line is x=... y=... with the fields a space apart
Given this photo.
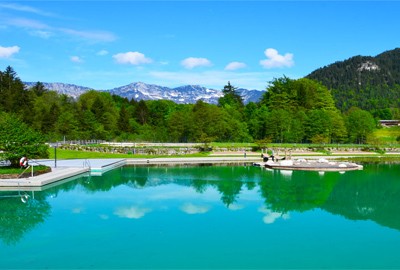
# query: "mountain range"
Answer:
x=188 y=94
x=367 y=82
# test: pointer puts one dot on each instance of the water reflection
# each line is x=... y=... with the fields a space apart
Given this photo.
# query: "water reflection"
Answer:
x=18 y=216
x=298 y=191
x=371 y=194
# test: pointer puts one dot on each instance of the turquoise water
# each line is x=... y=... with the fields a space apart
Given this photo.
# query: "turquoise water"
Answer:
x=207 y=217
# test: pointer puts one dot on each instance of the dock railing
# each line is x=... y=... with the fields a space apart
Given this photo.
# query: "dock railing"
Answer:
x=86 y=163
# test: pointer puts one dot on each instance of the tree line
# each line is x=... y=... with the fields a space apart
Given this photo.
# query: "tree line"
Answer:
x=290 y=111
x=370 y=83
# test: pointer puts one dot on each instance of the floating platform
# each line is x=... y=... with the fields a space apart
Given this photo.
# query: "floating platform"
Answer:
x=321 y=165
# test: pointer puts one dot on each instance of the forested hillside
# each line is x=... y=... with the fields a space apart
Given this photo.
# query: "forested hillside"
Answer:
x=370 y=83
x=294 y=111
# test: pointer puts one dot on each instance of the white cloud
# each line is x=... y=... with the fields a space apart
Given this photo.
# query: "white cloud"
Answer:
x=104 y=216
x=27 y=23
x=132 y=212
x=24 y=8
x=41 y=34
x=78 y=210
x=133 y=58
x=235 y=207
x=193 y=62
x=102 y=52
x=191 y=209
x=275 y=60
x=76 y=59
x=7 y=52
x=271 y=216
x=95 y=36
x=235 y=66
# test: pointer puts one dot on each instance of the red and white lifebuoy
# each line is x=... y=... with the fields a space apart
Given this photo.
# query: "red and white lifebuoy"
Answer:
x=23 y=162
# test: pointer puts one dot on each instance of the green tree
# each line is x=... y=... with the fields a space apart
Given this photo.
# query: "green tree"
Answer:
x=98 y=108
x=98 y=115
x=13 y=97
x=45 y=111
x=278 y=125
x=18 y=140
x=257 y=120
x=337 y=130
x=180 y=124
x=142 y=112
x=360 y=124
x=279 y=95
x=208 y=122
x=318 y=125
x=294 y=95
x=39 y=89
x=123 y=120
x=67 y=125
x=231 y=97
x=50 y=118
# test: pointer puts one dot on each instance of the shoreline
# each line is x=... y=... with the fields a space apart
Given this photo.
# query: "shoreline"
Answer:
x=64 y=169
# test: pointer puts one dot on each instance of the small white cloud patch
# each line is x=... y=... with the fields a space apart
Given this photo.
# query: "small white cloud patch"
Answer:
x=193 y=62
x=191 y=209
x=76 y=59
x=7 y=52
x=41 y=34
x=77 y=210
x=133 y=58
x=102 y=52
x=271 y=216
x=235 y=66
x=131 y=212
x=275 y=60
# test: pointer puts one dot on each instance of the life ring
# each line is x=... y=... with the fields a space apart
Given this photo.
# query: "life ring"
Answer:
x=24 y=198
x=23 y=162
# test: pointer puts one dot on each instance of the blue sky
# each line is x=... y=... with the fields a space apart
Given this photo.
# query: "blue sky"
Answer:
x=107 y=44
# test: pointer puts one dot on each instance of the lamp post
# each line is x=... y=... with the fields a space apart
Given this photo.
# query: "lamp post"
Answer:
x=55 y=155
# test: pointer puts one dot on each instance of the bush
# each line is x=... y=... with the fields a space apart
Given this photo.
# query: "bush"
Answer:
x=18 y=140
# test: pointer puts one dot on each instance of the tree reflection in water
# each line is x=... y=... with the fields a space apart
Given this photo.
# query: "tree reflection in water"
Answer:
x=18 y=216
x=371 y=194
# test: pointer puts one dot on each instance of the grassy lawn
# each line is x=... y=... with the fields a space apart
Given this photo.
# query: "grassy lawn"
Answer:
x=388 y=135
x=9 y=170
x=380 y=159
x=71 y=154
x=74 y=154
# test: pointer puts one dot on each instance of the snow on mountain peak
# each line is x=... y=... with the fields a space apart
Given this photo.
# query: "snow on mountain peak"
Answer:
x=187 y=94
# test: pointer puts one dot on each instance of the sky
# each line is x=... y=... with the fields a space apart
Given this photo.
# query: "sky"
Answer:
x=108 y=44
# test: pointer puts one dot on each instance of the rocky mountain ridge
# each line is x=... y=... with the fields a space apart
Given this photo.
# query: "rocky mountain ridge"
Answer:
x=187 y=94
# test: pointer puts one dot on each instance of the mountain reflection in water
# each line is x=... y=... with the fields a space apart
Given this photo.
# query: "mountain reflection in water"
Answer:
x=370 y=194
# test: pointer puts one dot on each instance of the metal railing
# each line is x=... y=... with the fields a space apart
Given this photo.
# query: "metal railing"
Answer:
x=19 y=176
x=86 y=163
